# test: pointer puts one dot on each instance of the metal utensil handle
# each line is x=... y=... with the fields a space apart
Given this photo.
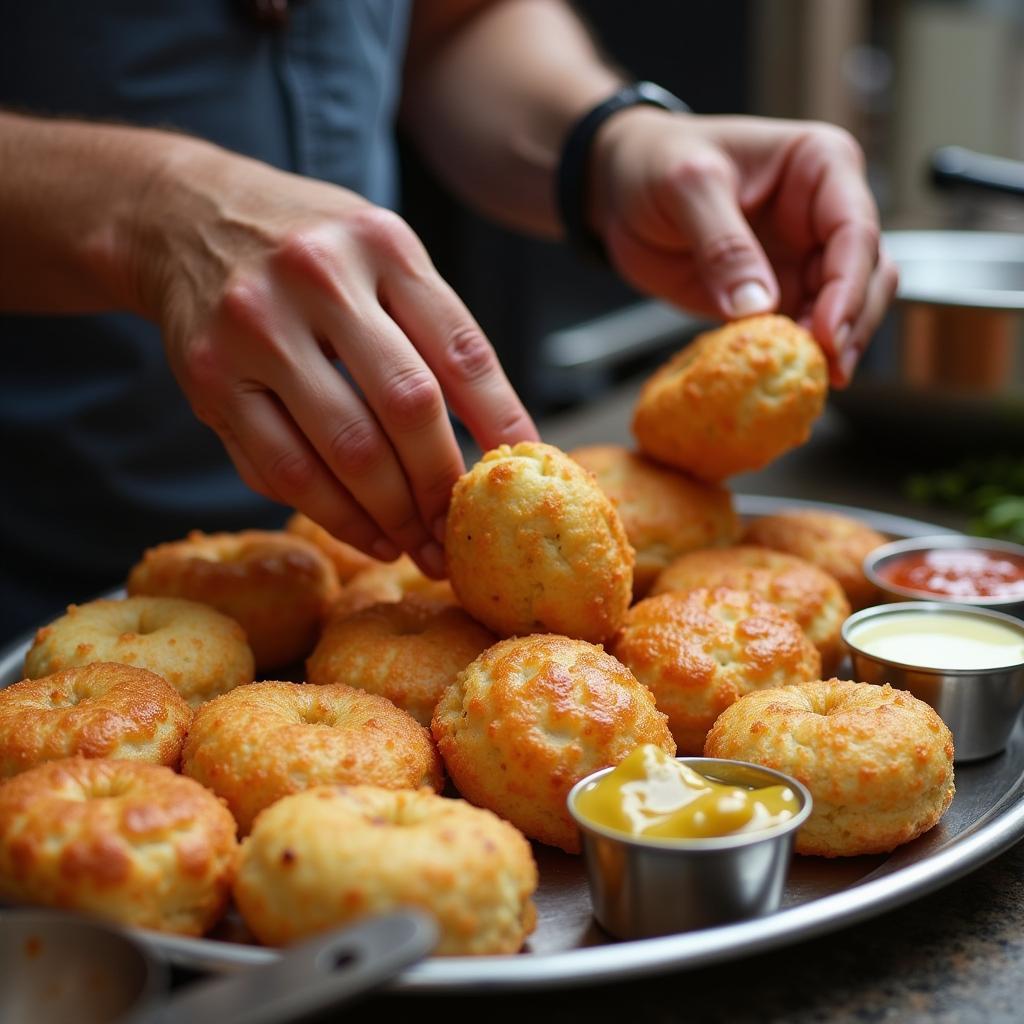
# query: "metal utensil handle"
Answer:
x=321 y=973
x=953 y=166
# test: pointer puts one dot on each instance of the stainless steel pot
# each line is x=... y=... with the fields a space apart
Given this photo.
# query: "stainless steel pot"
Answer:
x=949 y=358
x=948 y=362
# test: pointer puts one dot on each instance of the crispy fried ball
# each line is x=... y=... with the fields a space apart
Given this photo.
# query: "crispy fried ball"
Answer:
x=734 y=399
x=878 y=761
x=98 y=710
x=198 y=650
x=266 y=740
x=129 y=841
x=279 y=587
x=531 y=717
x=332 y=855
x=408 y=651
x=665 y=513
x=834 y=542
x=534 y=545
x=347 y=560
x=808 y=593
x=698 y=652
x=391 y=581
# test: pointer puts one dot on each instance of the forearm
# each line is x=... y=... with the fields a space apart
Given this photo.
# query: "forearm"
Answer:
x=68 y=194
x=489 y=103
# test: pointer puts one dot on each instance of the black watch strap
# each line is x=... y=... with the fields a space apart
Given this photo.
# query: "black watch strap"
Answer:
x=572 y=167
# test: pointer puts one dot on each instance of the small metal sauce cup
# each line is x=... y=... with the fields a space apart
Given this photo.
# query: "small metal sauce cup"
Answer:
x=644 y=887
x=980 y=706
x=876 y=561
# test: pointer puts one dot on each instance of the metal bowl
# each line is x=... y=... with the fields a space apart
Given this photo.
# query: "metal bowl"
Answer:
x=881 y=556
x=980 y=706
x=643 y=887
x=57 y=967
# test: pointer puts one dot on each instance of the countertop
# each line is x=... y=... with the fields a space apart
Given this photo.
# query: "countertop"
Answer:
x=954 y=956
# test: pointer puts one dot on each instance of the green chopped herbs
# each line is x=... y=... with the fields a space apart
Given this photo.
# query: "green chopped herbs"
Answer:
x=990 y=490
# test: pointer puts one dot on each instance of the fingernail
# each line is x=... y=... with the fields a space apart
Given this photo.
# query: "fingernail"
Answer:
x=848 y=358
x=385 y=550
x=749 y=298
x=841 y=337
x=432 y=558
x=440 y=528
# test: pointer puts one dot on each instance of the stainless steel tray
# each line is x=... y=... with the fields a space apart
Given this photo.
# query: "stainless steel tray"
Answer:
x=985 y=818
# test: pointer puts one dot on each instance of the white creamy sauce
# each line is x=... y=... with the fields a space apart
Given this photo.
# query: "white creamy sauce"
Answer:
x=942 y=640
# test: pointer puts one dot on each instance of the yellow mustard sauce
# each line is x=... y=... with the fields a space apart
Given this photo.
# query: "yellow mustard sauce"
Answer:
x=651 y=794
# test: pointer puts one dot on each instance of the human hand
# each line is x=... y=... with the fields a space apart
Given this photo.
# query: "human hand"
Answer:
x=730 y=216
x=259 y=279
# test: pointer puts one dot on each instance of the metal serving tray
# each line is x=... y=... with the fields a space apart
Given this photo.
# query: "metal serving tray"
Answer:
x=985 y=818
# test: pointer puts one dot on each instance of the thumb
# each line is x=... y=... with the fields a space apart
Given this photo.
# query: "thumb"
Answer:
x=729 y=259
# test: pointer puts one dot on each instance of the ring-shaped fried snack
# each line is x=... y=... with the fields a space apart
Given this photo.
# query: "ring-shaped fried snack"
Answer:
x=878 y=761
x=531 y=717
x=267 y=740
x=333 y=855
x=201 y=652
x=809 y=594
x=700 y=651
x=98 y=710
x=129 y=841
x=277 y=586
x=409 y=651
x=664 y=512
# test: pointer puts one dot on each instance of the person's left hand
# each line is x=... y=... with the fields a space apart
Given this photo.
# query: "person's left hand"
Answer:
x=730 y=216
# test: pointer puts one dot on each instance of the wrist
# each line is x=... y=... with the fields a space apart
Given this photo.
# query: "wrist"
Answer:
x=67 y=209
x=611 y=158
x=583 y=187
x=130 y=168
x=171 y=194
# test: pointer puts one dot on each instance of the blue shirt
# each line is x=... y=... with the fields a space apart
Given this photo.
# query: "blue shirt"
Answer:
x=100 y=454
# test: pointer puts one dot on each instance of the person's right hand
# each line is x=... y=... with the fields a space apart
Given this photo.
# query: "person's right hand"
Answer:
x=259 y=279
x=729 y=216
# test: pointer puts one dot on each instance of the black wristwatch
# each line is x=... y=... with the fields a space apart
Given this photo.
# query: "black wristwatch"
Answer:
x=572 y=167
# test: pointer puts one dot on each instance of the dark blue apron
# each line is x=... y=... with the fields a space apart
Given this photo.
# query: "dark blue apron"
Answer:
x=100 y=456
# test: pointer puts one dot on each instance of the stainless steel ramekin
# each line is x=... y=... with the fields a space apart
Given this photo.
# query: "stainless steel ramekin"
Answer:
x=877 y=559
x=643 y=887
x=980 y=706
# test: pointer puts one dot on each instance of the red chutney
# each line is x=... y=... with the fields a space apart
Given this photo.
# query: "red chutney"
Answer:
x=957 y=572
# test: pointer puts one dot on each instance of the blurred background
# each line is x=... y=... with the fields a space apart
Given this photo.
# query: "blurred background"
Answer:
x=906 y=77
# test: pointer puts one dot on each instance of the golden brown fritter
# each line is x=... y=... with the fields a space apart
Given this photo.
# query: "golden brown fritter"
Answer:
x=129 y=841
x=734 y=399
x=832 y=541
x=264 y=741
x=531 y=717
x=333 y=855
x=534 y=545
x=698 y=652
x=98 y=710
x=277 y=586
x=664 y=512
x=346 y=559
x=201 y=652
x=809 y=594
x=408 y=651
x=388 y=582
